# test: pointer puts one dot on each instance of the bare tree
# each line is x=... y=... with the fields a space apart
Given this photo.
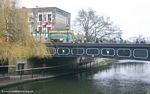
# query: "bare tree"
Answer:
x=138 y=39
x=94 y=26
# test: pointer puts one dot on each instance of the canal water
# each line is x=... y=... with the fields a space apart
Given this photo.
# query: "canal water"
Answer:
x=120 y=78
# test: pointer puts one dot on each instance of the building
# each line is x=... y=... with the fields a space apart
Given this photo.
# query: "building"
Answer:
x=44 y=19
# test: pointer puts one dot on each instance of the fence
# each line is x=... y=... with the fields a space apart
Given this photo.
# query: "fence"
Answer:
x=44 y=71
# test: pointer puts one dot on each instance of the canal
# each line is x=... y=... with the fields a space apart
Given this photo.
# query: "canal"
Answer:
x=119 y=78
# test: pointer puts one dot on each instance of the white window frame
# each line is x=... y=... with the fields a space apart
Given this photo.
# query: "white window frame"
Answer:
x=38 y=16
x=51 y=16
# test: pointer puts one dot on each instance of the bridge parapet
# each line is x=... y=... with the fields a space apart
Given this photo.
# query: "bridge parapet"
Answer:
x=120 y=51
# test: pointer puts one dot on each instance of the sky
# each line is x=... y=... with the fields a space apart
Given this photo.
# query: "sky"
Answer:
x=133 y=16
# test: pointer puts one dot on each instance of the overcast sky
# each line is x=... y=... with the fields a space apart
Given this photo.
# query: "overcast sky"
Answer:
x=133 y=16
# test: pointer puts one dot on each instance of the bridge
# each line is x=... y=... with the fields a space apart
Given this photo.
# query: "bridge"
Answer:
x=119 y=51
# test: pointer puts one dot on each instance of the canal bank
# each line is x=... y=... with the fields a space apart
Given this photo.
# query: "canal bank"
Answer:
x=20 y=79
x=12 y=82
x=119 y=78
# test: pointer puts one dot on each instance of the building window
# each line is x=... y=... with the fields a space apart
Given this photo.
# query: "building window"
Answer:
x=49 y=17
x=40 y=29
x=40 y=17
x=48 y=29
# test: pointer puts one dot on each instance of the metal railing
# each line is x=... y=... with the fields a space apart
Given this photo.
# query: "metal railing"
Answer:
x=40 y=72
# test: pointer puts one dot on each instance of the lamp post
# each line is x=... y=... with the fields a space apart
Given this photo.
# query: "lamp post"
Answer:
x=67 y=26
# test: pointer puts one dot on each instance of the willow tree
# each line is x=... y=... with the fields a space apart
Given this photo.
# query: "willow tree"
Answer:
x=16 y=42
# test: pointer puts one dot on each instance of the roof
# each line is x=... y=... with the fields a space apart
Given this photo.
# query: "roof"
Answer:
x=47 y=9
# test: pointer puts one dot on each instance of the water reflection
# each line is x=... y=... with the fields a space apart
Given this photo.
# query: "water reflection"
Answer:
x=124 y=78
